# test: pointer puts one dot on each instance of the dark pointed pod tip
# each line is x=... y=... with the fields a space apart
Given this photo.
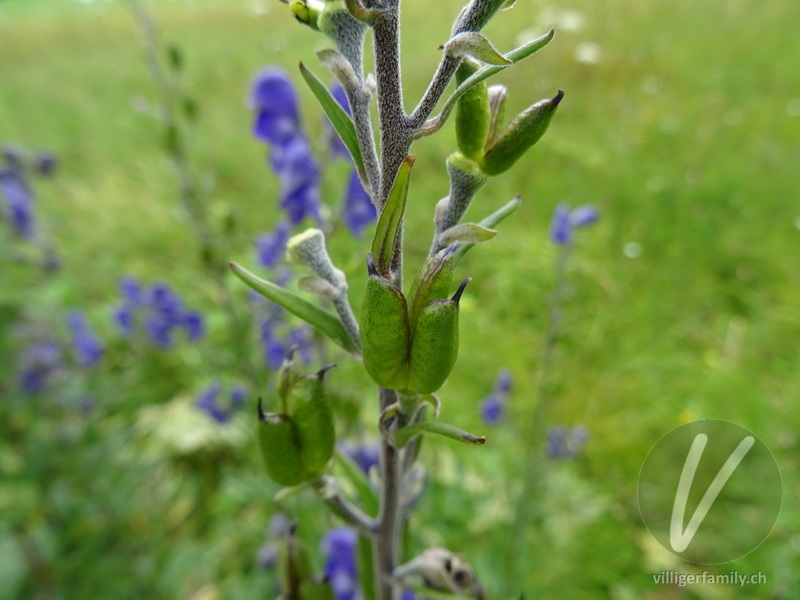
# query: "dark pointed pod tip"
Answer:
x=321 y=373
x=261 y=415
x=371 y=270
x=457 y=296
x=557 y=98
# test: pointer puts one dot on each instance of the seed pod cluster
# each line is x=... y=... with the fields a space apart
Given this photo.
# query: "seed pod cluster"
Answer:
x=298 y=443
x=411 y=348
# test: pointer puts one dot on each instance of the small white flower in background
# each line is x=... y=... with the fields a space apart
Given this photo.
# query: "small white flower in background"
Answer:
x=632 y=249
x=588 y=53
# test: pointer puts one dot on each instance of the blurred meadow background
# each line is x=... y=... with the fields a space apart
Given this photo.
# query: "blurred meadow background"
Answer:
x=121 y=478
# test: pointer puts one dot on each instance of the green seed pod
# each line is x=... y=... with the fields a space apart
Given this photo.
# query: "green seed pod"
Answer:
x=312 y=416
x=280 y=447
x=434 y=348
x=523 y=132
x=473 y=113
x=385 y=331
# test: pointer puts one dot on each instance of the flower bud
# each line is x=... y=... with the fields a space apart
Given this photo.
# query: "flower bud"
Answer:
x=307 y=11
x=308 y=249
x=523 y=132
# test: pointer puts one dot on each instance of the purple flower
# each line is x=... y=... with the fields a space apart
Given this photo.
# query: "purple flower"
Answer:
x=45 y=164
x=161 y=311
x=299 y=178
x=86 y=346
x=194 y=325
x=365 y=456
x=270 y=247
x=493 y=407
x=566 y=442
x=566 y=220
x=339 y=548
x=207 y=402
x=19 y=202
x=300 y=337
x=238 y=396
x=358 y=208
x=131 y=290
x=39 y=362
x=271 y=345
x=274 y=99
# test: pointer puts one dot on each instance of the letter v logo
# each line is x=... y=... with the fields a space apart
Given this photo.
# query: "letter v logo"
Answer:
x=680 y=538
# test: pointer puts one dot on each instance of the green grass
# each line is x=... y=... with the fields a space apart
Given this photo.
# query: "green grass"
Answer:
x=680 y=134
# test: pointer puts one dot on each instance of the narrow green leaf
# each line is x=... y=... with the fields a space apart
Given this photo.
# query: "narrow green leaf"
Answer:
x=387 y=232
x=407 y=433
x=490 y=221
x=367 y=495
x=472 y=233
x=338 y=117
x=515 y=56
x=300 y=307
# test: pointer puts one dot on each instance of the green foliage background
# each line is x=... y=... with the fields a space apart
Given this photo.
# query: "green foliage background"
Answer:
x=685 y=133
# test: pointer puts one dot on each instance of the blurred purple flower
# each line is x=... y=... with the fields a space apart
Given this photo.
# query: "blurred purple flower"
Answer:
x=194 y=325
x=45 y=164
x=270 y=247
x=299 y=179
x=279 y=526
x=131 y=290
x=273 y=98
x=365 y=456
x=207 y=402
x=19 y=202
x=38 y=363
x=86 y=346
x=358 y=208
x=271 y=345
x=238 y=396
x=566 y=442
x=565 y=221
x=300 y=337
x=493 y=407
x=339 y=548
x=161 y=311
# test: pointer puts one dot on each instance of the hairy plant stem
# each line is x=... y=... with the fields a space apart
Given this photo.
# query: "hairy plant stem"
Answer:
x=387 y=543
